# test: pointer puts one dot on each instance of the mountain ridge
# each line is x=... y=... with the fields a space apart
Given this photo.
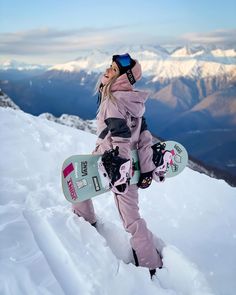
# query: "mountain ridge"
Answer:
x=90 y=126
x=156 y=61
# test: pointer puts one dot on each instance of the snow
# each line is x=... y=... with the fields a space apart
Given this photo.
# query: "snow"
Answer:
x=45 y=249
x=190 y=62
x=96 y=61
x=186 y=51
x=224 y=53
x=72 y=121
x=11 y=64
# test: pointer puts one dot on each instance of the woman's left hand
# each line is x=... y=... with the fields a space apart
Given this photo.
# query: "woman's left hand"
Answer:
x=145 y=180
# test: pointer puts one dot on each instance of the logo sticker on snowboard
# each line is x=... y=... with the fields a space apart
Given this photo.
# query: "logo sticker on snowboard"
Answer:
x=72 y=189
x=96 y=184
x=81 y=183
x=84 y=168
x=68 y=170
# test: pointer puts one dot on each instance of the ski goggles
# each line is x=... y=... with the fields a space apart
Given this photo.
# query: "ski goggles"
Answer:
x=124 y=60
x=125 y=63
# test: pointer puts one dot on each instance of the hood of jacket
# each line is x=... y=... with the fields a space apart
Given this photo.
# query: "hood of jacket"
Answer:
x=132 y=101
x=127 y=98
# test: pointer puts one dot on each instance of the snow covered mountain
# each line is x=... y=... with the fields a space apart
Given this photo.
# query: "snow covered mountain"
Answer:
x=90 y=126
x=156 y=61
x=185 y=85
x=16 y=70
x=45 y=249
x=72 y=121
x=5 y=101
x=67 y=120
x=12 y=64
x=190 y=62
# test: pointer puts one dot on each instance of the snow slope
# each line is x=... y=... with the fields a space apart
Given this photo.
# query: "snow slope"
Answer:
x=45 y=249
x=72 y=121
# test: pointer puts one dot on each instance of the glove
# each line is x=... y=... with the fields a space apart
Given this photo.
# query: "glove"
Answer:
x=145 y=180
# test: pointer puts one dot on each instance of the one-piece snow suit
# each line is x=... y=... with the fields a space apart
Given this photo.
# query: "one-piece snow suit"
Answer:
x=121 y=123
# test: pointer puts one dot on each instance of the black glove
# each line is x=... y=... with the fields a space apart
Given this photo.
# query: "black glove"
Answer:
x=145 y=180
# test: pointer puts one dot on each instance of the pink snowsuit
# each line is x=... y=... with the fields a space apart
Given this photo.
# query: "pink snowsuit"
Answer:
x=121 y=124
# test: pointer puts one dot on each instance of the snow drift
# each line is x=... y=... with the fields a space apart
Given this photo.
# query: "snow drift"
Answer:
x=45 y=249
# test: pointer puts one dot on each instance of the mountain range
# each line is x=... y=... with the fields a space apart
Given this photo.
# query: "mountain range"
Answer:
x=91 y=127
x=192 y=94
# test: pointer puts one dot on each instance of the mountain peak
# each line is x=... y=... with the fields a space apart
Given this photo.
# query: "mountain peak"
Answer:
x=187 y=61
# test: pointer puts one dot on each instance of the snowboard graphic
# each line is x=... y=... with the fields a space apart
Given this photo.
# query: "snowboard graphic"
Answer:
x=82 y=180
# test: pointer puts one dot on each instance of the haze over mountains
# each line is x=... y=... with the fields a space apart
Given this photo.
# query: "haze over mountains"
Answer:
x=192 y=91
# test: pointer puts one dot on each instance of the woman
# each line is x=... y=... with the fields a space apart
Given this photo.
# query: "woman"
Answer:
x=121 y=124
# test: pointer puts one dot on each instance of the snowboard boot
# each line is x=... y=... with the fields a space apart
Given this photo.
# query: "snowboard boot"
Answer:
x=116 y=169
x=162 y=159
x=94 y=224
x=151 y=271
x=158 y=151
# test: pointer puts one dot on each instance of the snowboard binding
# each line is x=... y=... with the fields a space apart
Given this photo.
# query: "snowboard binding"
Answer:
x=162 y=159
x=115 y=170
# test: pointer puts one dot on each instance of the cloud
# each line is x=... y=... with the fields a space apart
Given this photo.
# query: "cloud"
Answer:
x=45 y=40
x=49 y=45
x=52 y=45
x=218 y=37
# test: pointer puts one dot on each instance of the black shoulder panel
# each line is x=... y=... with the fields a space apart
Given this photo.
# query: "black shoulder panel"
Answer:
x=143 y=125
x=118 y=127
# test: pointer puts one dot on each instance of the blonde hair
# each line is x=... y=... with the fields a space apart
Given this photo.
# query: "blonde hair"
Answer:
x=106 y=92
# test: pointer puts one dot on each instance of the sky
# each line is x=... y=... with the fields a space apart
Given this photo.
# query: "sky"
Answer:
x=54 y=31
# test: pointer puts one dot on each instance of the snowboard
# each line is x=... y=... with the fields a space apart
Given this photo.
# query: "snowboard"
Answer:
x=82 y=179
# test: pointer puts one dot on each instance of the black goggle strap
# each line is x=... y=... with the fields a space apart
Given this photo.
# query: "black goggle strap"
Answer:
x=124 y=61
x=130 y=76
